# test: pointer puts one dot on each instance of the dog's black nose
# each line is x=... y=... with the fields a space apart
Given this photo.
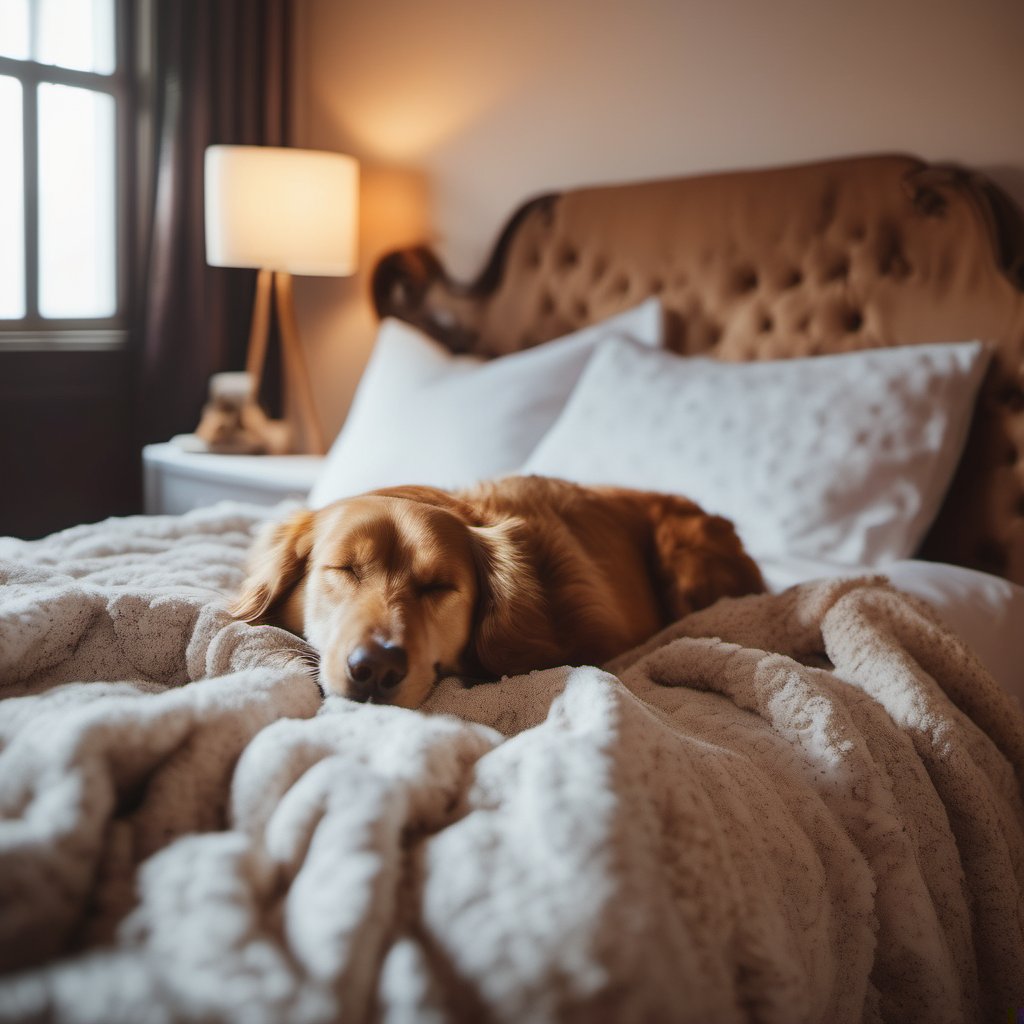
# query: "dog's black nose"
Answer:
x=375 y=669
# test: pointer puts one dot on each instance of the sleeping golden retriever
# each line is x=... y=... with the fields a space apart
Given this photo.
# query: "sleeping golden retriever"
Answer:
x=399 y=587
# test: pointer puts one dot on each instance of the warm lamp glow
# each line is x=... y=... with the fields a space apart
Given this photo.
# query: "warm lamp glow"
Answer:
x=291 y=210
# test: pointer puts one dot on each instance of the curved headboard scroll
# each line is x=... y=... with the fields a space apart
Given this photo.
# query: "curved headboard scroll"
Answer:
x=825 y=257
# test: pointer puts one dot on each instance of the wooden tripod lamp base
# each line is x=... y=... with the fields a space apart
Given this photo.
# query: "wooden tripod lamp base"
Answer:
x=298 y=392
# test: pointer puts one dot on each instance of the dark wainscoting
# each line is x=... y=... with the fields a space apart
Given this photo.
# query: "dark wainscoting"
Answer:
x=68 y=449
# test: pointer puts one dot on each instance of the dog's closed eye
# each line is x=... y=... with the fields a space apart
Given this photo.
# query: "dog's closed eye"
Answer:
x=352 y=571
x=435 y=588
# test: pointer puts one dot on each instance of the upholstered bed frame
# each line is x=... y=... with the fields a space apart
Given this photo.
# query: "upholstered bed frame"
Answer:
x=794 y=261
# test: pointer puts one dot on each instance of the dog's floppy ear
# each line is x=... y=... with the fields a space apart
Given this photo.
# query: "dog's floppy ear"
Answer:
x=276 y=564
x=511 y=633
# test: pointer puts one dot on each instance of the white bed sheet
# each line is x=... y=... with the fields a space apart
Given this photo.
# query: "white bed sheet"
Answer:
x=985 y=611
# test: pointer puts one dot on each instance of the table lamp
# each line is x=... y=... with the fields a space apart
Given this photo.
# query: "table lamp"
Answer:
x=282 y=212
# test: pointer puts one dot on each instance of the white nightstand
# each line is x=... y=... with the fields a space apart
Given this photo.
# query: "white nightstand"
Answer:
x=176 y=480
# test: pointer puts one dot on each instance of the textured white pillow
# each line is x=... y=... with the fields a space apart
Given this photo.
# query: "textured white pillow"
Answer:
x=843 y=457
x=422 y=415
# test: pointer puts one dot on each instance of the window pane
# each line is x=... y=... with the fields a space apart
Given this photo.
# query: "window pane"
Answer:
x=14 y=29
x=76 y=34
x=77 y=222
x=12 y=202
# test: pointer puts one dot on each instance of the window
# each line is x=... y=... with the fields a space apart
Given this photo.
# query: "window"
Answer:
x=62 y=159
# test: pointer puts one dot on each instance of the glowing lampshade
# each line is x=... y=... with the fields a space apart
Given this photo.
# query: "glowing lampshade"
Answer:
x=292 y=210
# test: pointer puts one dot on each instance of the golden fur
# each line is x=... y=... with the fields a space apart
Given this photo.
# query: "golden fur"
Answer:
x=397 y=587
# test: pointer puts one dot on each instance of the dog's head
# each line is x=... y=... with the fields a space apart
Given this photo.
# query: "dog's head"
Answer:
x=393 y=588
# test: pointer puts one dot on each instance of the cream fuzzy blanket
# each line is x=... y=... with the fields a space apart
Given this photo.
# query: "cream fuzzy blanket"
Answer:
x=795 y=808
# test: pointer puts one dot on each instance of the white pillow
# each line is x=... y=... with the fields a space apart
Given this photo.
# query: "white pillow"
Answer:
x=424 y=416
x=843 y=457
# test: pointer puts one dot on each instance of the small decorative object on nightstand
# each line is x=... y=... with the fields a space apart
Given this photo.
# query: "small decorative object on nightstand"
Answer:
x=181 y=475
x=234 y=424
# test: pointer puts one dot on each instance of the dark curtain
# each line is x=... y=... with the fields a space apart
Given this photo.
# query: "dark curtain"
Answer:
x=219 y=74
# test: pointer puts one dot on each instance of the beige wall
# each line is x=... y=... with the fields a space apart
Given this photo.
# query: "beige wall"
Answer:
x=459 y=109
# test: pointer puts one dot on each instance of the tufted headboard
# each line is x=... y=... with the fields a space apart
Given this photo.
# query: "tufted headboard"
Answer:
x=793 y=261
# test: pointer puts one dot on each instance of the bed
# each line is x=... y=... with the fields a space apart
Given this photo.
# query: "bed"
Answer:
x=798 y=806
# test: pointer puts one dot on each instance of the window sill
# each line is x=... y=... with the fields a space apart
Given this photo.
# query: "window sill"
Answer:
x=57 y=340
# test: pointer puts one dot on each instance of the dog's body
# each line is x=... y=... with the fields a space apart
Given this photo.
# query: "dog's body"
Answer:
x=399 y=586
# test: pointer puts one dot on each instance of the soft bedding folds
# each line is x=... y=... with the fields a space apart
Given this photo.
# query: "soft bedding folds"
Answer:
x=793 y=807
